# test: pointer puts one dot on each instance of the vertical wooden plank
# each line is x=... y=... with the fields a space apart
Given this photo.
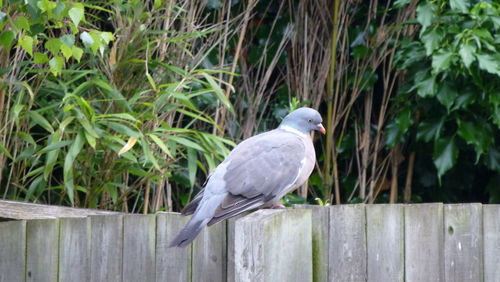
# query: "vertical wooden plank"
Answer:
x=274 y=245
x=230 y=246
x=320 y=240
x=209 y=254
x=463 y=242
x=491 y=232
x=74 y=249
x=347 y=251
x=172 y=264
x=12 y=251
x=424 y=242
x=106 y=248
x=385 y=242
x=139 y=248
x=42 y=239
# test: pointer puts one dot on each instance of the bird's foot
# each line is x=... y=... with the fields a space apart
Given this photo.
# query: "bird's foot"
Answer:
x=277 y=206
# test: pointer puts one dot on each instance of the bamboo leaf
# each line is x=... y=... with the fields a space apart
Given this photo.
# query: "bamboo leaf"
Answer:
x=41 y=121
x=130 y=144
x=4 y=151
x=161 y=144
x=192 y=165
x=218 y=92
x=73 y=152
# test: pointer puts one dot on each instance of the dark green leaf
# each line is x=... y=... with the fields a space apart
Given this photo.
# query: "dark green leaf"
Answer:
x=447 y=95
x=429 y=129
x=425 y=14
x=445 y=154
x=40 y=120
x=427 y=87
x=467 y=52
x=493 y=159
x=432 y=39
x=441 y=61
x=478 y=136
x=460 y=5
x=488 y=63
x=6 y=39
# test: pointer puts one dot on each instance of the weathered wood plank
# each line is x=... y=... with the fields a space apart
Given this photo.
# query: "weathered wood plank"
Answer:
x=106 y=248
x=23 y=210
x=424 y=242
x=230 y=245
x=320 y=240
x=491 y=232
x=74 y=249
x=274 y=245
x=385 y=242
x=12 y=251
x=172 y=264
x=463 y=242
x=42 y=239
x=139 y=248
x=210 y=254
x=347 y=239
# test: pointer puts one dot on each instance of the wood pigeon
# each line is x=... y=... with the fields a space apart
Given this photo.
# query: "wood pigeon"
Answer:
x=257 y=173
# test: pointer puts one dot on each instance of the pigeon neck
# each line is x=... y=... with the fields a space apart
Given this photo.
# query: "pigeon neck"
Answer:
x=292 y=130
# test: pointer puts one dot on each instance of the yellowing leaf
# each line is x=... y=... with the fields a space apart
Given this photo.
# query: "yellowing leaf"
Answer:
x=130 y=143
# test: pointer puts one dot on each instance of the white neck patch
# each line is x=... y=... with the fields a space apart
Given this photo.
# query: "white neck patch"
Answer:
x=292 y=130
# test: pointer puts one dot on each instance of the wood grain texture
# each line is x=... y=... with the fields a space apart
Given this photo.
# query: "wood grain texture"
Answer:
x=209 y=261
x=23 y=210
x=231 y=275
x=12 y=251
x=106 y=248
x=347 y=240
x=274 y=245
x=424 y=243
x=491 y=233
x=320 y=240
x=385 y=242
x=42 y=250
x=139 y=232
x=463 y=242
x=74 y=249
x=172 y=264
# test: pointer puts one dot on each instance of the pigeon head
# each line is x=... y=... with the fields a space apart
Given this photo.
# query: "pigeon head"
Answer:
x=304 y=120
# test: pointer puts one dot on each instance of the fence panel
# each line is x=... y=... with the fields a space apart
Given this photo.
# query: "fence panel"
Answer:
x=463 y=243
x=347 y=243
x=12 y=251
x=424 y=242
x=385 y=243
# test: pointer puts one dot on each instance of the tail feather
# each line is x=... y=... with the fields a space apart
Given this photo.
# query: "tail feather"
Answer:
x=188 y=233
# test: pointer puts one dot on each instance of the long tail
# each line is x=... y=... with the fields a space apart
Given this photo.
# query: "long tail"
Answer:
x=188 y=233
x=203 y=214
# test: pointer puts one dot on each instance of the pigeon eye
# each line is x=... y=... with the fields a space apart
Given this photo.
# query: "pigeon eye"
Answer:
x=309 y=120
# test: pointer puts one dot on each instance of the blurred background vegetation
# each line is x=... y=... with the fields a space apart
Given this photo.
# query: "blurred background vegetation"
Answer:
x=128 y=105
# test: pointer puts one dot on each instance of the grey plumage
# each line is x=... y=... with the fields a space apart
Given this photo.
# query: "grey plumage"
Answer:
x=258 y=172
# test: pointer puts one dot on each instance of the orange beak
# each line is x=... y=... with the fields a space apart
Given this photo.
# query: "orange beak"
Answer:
x=320 y=128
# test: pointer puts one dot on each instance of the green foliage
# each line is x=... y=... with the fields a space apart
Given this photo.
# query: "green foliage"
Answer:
x=92 y=124
x=454 y=68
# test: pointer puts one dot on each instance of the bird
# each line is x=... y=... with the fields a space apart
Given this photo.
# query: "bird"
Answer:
x=256 y=174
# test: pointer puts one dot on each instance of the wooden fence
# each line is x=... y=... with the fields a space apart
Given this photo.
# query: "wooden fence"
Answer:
x=424 y=242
